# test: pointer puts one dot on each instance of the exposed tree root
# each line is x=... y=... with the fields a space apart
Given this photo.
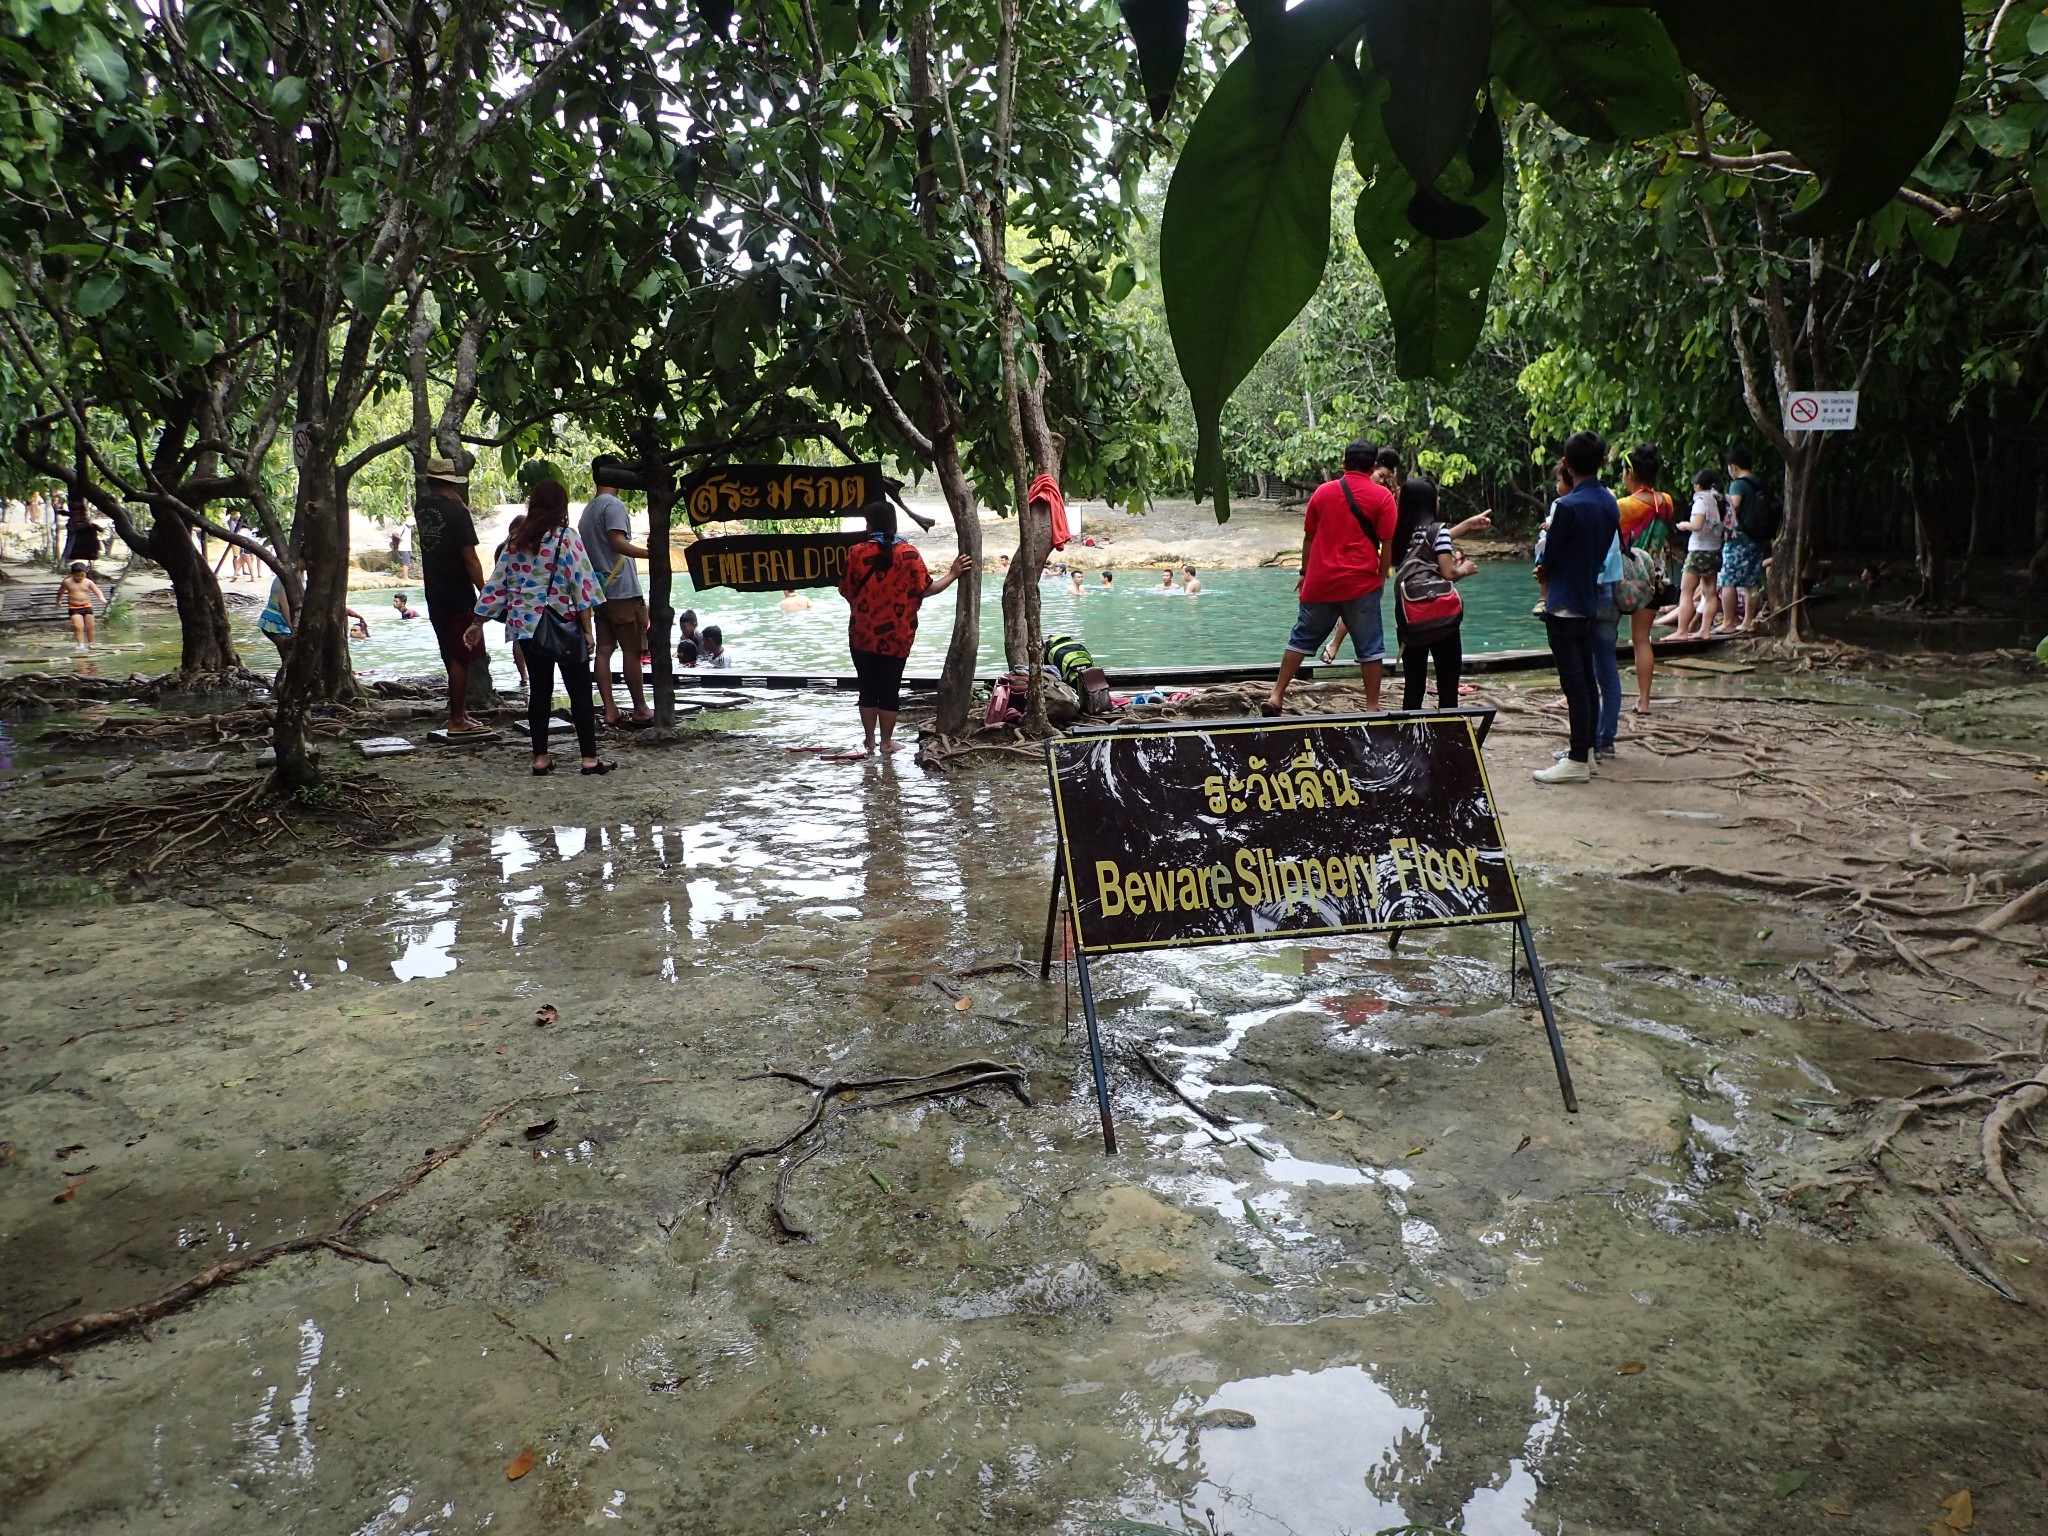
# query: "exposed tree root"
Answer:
x=2028 y=1097
x=229 y=814
x=1152 y=1070
x=844 y=1096
x=94 y=1327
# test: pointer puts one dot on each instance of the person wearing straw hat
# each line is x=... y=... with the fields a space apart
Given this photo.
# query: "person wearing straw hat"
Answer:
x=450 y=574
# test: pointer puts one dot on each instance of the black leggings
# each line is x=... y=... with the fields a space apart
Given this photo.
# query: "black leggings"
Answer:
x=1571 y=643
x=540 y=700
x=881 y=680
x=1448 y=651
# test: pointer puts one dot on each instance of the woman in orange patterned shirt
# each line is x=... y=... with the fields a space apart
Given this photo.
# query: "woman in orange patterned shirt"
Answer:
x=885 y=582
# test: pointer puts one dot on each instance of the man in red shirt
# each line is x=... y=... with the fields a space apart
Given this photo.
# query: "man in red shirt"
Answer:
x=1343 y=565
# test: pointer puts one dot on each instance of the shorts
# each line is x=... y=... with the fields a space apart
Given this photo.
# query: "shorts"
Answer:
x=622 y=622
x=1742 y=563
x=1361 y=616
x=1703 y=562
x=449 y=629
x=881 y=680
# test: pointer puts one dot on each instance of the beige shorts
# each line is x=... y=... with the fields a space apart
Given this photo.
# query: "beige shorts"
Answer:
x=622 y=622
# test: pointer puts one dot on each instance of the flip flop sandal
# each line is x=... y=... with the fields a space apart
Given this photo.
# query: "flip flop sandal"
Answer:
x=842 y=757
x=541 y=773
x=1269 y=710
x=599 y=767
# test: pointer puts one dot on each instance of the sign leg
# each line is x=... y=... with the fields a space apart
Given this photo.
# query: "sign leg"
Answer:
x=1052 y=916
x=1095 y=1054
x=1564 y=1073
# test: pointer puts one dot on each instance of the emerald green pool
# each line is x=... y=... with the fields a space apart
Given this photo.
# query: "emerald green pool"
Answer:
x=1239 y=617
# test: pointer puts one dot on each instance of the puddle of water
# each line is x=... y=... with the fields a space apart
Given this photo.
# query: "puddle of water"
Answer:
x=1333 y=1450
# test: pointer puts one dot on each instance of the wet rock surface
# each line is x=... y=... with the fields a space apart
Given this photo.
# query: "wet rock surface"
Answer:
x=1397 y=1284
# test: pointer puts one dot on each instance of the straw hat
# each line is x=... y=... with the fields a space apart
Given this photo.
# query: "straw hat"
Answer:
x=445 y=471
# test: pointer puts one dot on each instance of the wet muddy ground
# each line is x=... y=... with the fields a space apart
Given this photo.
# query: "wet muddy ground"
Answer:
x=1395 y=1284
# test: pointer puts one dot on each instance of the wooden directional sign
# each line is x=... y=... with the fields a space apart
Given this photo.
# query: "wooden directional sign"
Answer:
x=770 y=562
x=757 y=492
x=1217 y=834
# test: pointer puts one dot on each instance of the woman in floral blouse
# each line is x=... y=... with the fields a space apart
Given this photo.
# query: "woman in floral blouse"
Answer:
x=544 y=565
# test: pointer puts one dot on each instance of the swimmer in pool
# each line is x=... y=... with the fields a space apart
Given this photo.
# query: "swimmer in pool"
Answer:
x=1190 y=583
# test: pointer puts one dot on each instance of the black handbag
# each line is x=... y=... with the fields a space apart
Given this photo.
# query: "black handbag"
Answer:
x=555 y=638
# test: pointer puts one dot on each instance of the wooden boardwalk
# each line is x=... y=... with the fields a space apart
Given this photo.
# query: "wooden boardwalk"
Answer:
x=1140 y=679
x=35 y=602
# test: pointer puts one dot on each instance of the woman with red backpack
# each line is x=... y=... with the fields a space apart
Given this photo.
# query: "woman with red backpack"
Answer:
x=1428 y=613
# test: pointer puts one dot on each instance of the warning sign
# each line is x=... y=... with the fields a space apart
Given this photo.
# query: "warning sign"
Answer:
x=1821 y=410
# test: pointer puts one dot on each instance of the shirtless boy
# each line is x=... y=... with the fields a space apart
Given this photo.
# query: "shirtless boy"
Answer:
x=78 y=595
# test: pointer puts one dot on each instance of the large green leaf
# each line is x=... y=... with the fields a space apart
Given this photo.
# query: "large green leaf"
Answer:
x=1600 y=72
x=1433 y=54
x=1436 y=290
x=1160 y=30
x=1857 y=89
x=1246 y=230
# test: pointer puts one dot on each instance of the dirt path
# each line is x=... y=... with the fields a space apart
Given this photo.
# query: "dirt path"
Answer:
x=1385 y=1279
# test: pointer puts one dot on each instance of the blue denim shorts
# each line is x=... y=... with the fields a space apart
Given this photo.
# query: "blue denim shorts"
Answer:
x=1361 y=616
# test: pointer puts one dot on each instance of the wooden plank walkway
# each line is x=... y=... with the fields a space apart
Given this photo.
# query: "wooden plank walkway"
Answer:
x=35 y=602
x=1139 y=679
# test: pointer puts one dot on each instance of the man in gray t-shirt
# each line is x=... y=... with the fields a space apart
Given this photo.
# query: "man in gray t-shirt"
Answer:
x=621 y=618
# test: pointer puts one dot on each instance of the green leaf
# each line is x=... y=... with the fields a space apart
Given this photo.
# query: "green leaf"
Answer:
x=1246 y=229
x=2037 y=183
x=1937 y=242
x=1600 y=72
x=99 y=293
x=101 y=62
x=287 y=96
x=67 y=7
x=1121 y=282
x=226 y=212
x=1434 y=54
x=1159 y=28
x=245 y=172
x=1791 y=1483
x=1857 y=89
x=2037 y=34
x=1436 y=289
x=7 y=288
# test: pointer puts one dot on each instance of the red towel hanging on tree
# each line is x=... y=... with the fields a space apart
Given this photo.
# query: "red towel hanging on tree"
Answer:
x=1047 y=490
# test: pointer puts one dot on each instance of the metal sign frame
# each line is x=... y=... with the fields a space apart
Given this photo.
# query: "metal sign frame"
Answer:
x=1478 y=721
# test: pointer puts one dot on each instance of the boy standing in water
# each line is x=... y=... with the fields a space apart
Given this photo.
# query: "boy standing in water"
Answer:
x=78 y=594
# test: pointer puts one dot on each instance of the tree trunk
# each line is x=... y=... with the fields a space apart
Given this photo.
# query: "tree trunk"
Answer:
x=1927 y=551
x=956 y=681
x=1023 y=629
x=1795 y=543
x=2037 y=568
x=318 y=671
x=206 y=643
x=659 y=479
x=1980 y=475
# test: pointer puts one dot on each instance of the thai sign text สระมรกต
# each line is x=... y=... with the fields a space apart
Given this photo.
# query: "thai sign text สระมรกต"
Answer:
x=755 y=492
x=1209 y=835
x=770 y=562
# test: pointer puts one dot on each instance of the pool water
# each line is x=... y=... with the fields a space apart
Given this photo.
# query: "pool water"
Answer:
x=1240 y=617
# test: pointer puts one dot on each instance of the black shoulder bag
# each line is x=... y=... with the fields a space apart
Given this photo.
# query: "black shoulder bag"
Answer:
x=555 y=638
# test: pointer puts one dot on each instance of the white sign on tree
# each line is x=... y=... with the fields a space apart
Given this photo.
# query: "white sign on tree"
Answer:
x=1821 y=410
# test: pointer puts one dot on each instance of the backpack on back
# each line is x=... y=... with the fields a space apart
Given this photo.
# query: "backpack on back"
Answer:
x=1761 y=516
x=1429 y=600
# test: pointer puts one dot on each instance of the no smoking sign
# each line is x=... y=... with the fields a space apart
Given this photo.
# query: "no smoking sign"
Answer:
x=1821 y=410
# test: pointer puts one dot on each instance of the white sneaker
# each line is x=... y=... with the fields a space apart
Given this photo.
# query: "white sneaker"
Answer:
x=1592 y=758
x=1565 y=772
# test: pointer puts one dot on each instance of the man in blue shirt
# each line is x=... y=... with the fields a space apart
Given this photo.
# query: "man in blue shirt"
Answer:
x=1585 y=522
